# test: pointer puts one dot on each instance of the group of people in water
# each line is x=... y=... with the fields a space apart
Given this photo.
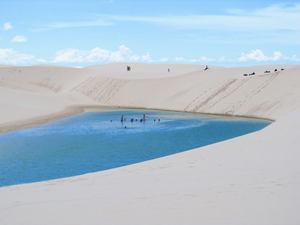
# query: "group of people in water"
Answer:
x=132 y=120
x=141 y=120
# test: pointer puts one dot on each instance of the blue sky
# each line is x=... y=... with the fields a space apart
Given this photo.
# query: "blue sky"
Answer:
x=82 y=33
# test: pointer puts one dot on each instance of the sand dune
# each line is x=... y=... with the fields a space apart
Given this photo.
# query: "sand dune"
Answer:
x=253 y=179
x=217 y=90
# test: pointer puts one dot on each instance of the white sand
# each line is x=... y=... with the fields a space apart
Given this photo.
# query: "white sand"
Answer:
x=253 y=179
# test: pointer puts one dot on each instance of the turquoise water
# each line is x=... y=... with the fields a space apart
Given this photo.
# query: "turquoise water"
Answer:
x=90 y=142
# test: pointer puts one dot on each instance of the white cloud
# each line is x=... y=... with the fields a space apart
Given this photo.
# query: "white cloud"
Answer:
x=294 y=58
x=10 y=56
x=96 y=23
x=41 y=60
x=179 y=59
x=19 y=38
x=147 y=58
x=222 y=59
x=124 y=50
x=119 y=55
x=70 y=55
x=258 y=55
x=254 y=56
x=164 y=60
x=134 y=58
x=7 y=26
x=124 y=54
x=201 y=59
x=277 y=56
x=95 y=55
x=116 y=57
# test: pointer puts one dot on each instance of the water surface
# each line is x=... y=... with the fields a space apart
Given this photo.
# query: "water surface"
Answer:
x=90 y=142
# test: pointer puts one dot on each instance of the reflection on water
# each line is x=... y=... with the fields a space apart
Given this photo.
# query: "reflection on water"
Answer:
x=98 y=141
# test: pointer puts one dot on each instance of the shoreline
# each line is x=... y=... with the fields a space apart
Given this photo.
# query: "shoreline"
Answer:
x=48 y=118
x=40 y=120
x=76 y=110
x=212 y=114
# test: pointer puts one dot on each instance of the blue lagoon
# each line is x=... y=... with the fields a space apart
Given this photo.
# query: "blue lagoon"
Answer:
x=96 y=141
